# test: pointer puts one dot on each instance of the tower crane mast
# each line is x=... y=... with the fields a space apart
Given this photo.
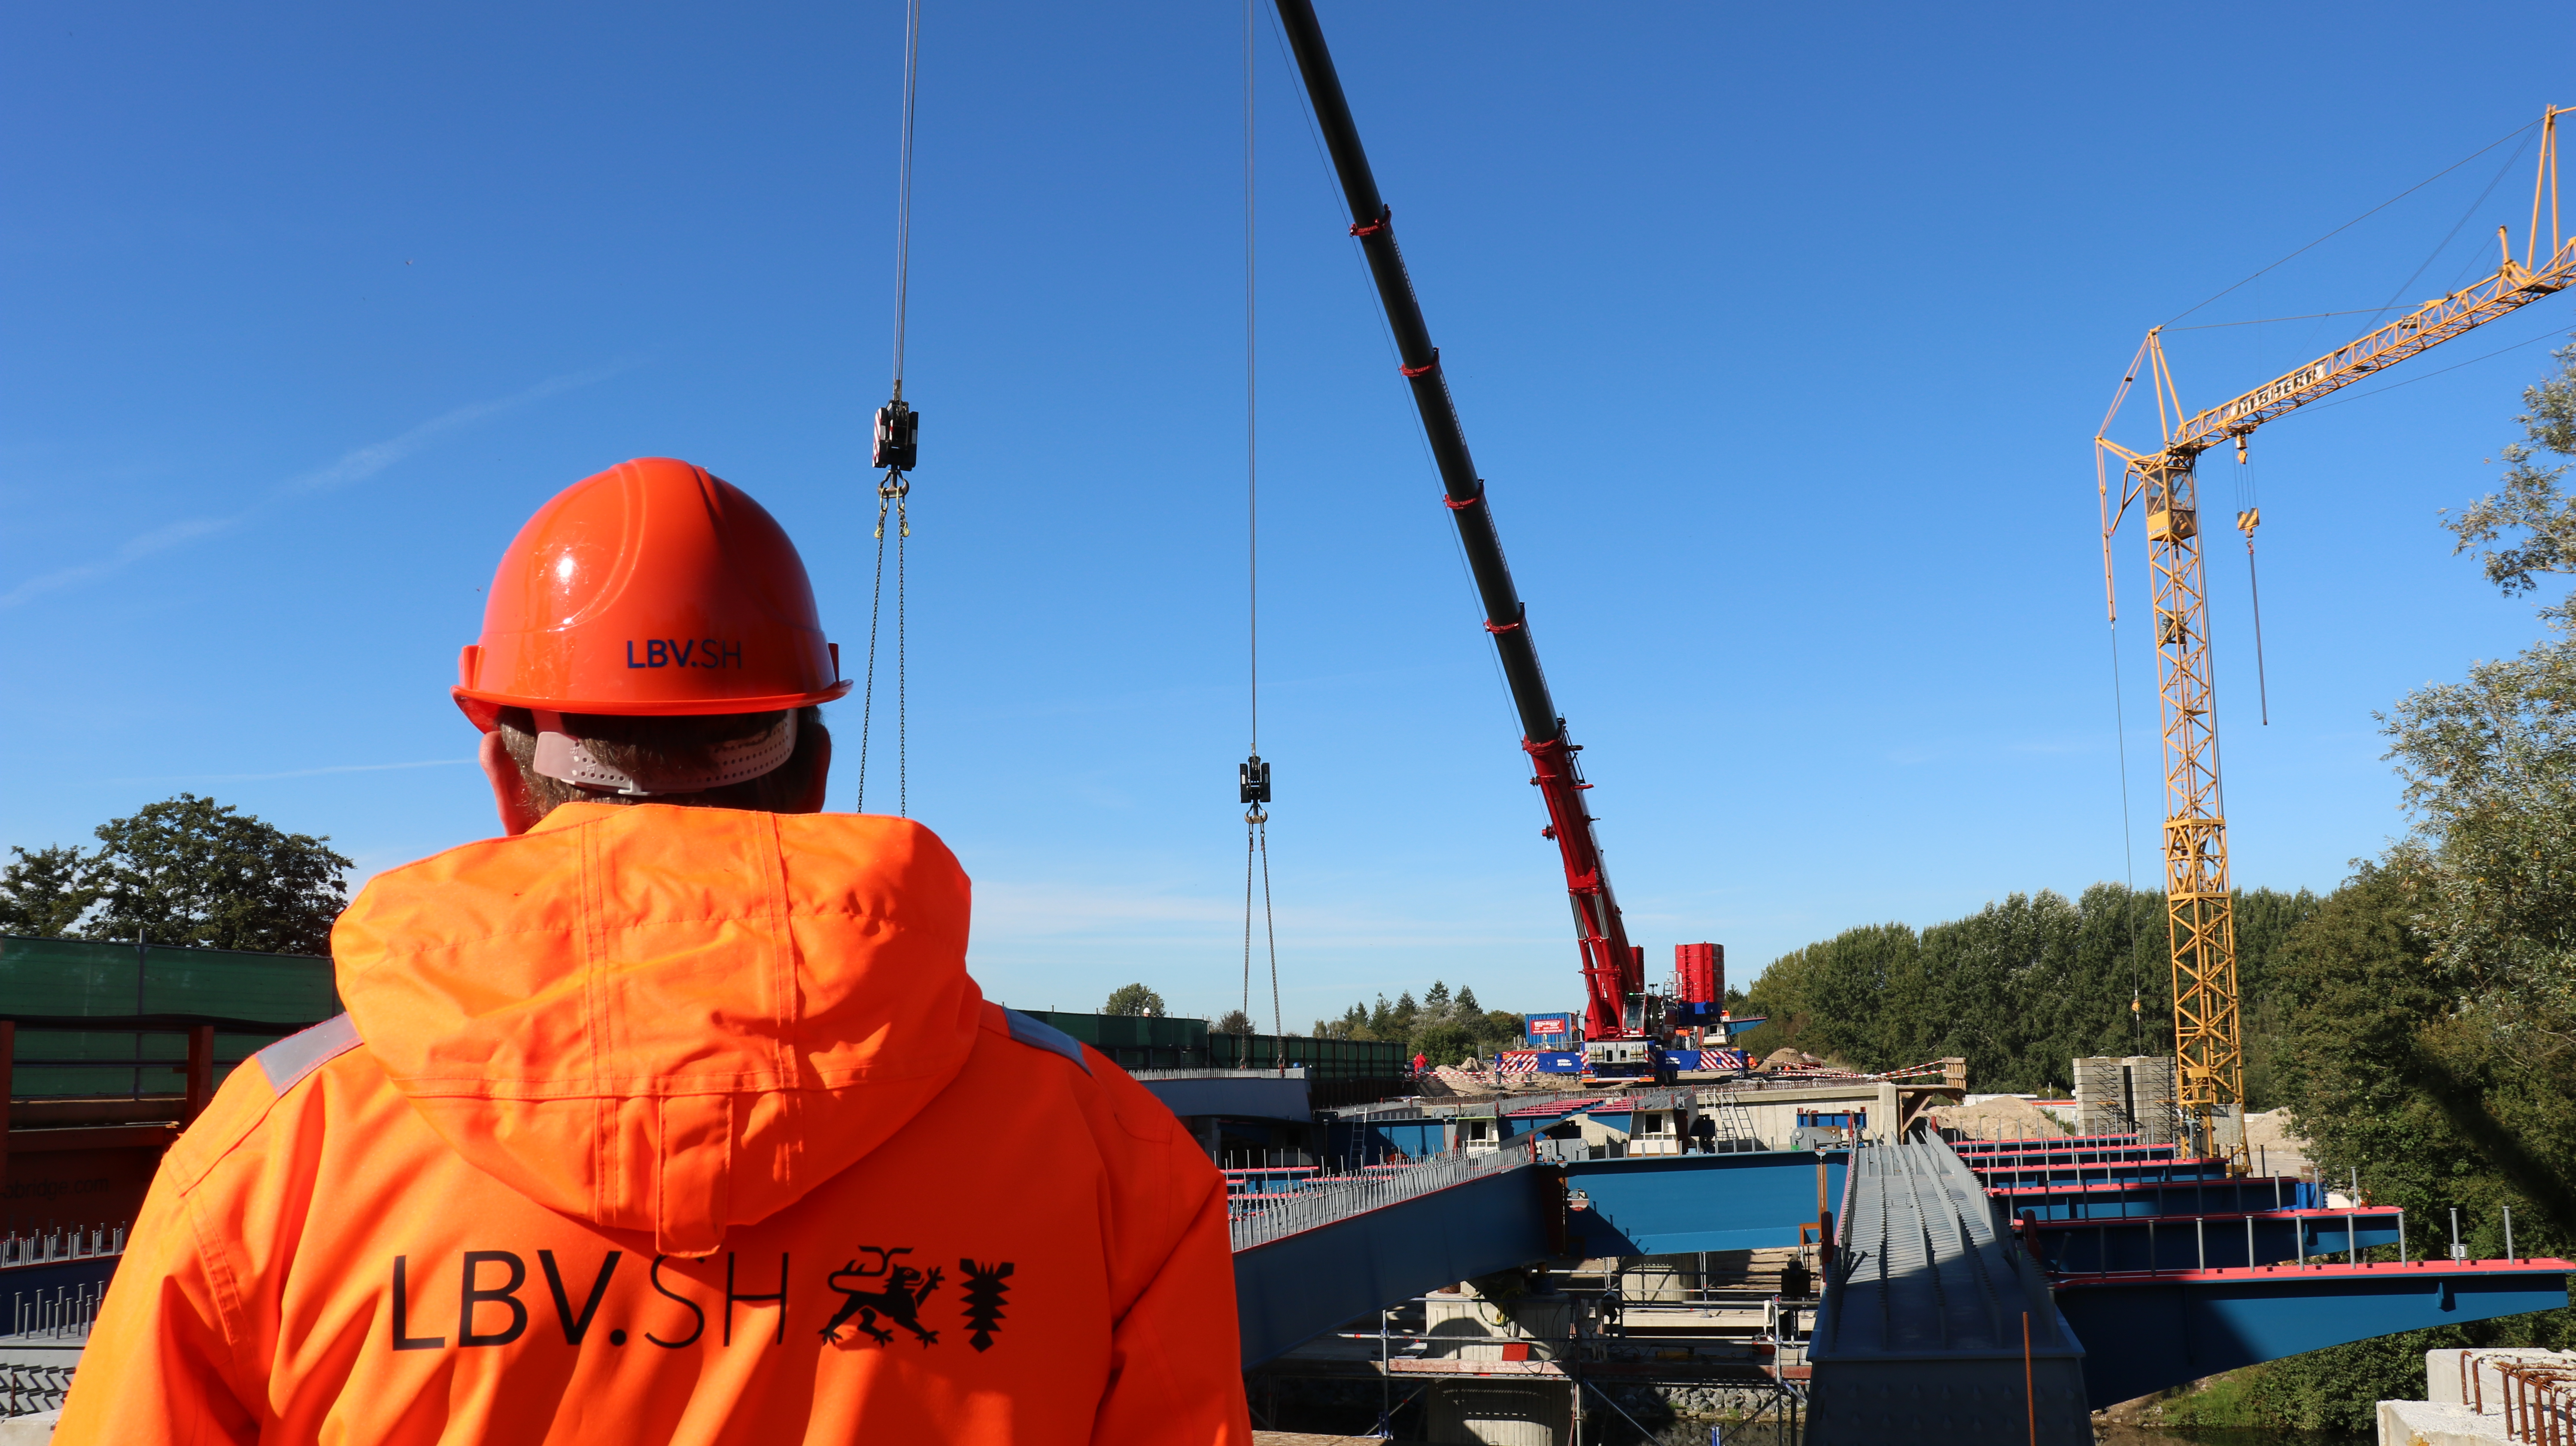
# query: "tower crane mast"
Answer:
x=2200 y=916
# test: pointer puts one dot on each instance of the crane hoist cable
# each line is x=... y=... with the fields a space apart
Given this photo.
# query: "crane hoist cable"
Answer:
x=2249 y=517
x=1252 y=777
x=897 y=448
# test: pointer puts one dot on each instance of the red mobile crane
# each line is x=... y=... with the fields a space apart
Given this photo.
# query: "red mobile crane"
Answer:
x=1622 y=1023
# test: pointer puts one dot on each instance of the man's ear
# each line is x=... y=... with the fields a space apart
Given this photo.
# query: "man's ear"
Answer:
x=509 y=791
x=819 y=787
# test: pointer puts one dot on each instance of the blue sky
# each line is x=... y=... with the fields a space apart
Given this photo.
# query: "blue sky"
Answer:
x=1780 y=333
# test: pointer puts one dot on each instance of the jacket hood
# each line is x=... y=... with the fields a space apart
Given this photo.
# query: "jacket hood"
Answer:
x=668 y=1020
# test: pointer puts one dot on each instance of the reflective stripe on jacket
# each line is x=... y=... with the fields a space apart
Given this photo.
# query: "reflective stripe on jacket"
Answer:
x=661 y=1124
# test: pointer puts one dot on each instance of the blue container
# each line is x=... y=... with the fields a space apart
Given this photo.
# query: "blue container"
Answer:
x=1547 y=1031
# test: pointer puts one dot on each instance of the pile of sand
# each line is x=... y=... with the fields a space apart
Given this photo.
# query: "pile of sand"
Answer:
x=1785 y=1057
x=2282 y=1152
x=2003 y=1118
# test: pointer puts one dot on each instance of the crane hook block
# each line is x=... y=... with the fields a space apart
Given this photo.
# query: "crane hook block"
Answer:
x=898 y=436
x=1254 y=775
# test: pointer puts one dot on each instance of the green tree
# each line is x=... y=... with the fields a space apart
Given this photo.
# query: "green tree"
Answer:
x=1234 y=1022
x=2385 y=1074
x=2529 y=525
x=1445 y=1043
x=2019 y=989
x=1471 y=1029
x=44 y=894
x=189 y=870
x=2430 y=1005
x=2489 y=766
x=1133 y=1000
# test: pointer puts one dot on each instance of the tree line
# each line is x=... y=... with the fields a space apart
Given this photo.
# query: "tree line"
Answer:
x=2019 y=989
x=186 y=871
x=1441 y=1027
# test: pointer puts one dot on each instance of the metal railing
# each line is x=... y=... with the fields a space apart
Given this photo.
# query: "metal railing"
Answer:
x=56 y=1242
x=65 y=1315
x=1335 y=1198
x=27 y=1390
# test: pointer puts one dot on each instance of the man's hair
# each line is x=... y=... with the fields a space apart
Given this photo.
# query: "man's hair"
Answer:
x=666 y=745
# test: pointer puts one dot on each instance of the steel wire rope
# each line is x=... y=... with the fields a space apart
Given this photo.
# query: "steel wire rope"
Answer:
x=2308 y=340
x=1256 y=820
x=2128 y=830
x=2249 y=499
x=895 y=488
x=2454 y=233
x=2355 y=221
x=2269 y=320
x=903 y=186
x=868 y=690
x=2249 y=503
x=902 y=665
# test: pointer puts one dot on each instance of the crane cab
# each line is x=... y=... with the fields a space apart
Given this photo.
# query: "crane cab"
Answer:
x=2173 y=503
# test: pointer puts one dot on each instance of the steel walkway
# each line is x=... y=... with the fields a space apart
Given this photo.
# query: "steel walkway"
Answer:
x=1936 y=1327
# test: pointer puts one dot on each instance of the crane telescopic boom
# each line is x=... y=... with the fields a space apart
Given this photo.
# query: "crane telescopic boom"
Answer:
x=1616 y=1005
x=2199 y=907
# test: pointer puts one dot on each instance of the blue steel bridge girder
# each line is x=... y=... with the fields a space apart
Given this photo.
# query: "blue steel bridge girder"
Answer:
x=2149 y=1243
x=2096 y=1151
x=2146 y=1333
x=1677 y=1204
x=2135 y=1333
x=2142 y=1198
x=1295 y=1288
x=2067 y=1174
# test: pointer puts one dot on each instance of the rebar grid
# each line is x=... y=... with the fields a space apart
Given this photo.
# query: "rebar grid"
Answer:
x=2539 y=1402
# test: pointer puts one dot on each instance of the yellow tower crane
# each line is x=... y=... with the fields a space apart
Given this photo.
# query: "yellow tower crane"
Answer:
x=2208 y=1048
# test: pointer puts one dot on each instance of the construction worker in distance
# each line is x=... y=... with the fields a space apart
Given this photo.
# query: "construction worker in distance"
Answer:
x=671 y=1115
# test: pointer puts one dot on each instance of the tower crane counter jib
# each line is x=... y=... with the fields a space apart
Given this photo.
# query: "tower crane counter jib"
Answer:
x=1622 y=1022
x=2163 y=483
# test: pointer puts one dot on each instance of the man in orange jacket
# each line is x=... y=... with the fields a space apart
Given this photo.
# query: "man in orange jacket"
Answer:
x=672 y=1115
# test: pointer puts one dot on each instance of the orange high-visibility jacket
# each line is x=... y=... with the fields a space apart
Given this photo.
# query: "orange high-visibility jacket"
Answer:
x=669 y=1124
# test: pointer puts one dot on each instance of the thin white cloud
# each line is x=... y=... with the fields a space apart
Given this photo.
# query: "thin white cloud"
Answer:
x=135 y=549
x=293 y=772
x=355 y=465
x=360 y=463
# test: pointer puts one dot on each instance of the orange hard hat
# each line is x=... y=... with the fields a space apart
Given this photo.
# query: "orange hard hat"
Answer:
x=652 y=588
